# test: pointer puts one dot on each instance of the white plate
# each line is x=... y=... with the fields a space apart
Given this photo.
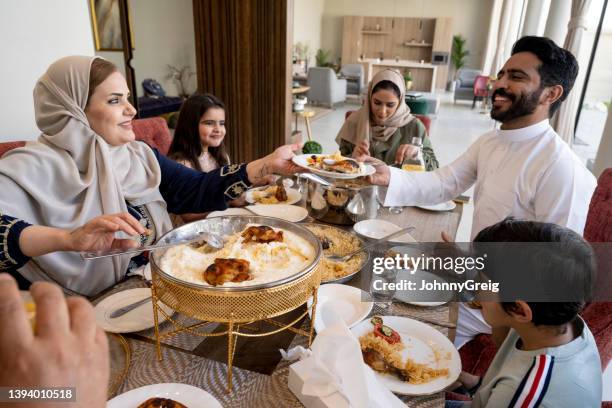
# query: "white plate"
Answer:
x=376 y=229
x=413 y=297
x=344 y=300
x=447 y=206
x=301 y=161
x=188 y=395
x=229 y=211
x=293 y=196
x=291 y=213
x=421 y=341
x=135 y=320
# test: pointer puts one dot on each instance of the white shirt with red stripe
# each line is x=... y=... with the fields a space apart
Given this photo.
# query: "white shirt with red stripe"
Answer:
x=564 y=376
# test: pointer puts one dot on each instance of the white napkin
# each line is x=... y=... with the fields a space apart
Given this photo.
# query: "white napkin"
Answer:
x=336 y=365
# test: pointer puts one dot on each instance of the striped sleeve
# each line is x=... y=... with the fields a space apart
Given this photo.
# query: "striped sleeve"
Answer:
x=534 y=384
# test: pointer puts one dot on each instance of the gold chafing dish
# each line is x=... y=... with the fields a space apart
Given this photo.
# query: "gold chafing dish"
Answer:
x=235 y=306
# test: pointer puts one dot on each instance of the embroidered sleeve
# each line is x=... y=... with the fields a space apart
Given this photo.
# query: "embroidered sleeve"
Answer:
x=11 y=257
x=190 y=191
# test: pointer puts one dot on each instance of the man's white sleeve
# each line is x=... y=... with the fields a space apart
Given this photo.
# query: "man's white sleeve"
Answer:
x=433 y=187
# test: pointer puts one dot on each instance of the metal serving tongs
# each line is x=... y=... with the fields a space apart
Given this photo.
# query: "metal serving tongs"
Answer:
x=213 y=240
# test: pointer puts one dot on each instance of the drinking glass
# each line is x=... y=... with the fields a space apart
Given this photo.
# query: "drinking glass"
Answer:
x=381 y=194
x=381 y=294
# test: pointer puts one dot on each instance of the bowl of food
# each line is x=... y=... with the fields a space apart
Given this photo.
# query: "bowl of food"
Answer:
x=336 y=241
x=266 y=267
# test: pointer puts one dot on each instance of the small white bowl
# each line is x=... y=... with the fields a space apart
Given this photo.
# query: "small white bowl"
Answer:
x=376 y=229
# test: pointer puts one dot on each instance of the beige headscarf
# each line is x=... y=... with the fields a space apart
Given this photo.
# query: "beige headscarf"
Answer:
x=71 y=175
x=359 y=127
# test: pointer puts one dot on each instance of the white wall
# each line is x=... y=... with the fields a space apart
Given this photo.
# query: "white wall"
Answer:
x=33 y=34
x=307 y=17
x=163 y=34
x=470 y=19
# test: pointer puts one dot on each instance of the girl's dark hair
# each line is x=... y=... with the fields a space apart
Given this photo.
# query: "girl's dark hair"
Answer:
x=387 y=85
x=100 y=70
x=186 y=144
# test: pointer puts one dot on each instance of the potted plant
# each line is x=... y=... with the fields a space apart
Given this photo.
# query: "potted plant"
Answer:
x=181 y=77
x=408 y=79
x=302 y=53
x=322 y=58
x=458 y=57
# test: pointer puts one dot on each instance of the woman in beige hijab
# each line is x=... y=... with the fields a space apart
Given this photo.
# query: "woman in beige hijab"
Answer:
x=86 y=163
x=383 y=127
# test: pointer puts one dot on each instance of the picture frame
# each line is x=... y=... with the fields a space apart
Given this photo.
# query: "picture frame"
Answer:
x=106 y=25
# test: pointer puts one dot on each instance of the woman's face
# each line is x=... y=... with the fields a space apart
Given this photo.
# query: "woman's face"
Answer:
x=384 y=103
x=110 y=113
x=212 y=127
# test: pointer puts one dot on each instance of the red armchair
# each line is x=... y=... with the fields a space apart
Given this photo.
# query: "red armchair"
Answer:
x=153 y=131
x=480 y=89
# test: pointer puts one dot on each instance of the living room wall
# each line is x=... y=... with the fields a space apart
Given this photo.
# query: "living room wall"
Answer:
x=33 y=34
x=470 y=19
x=163 y=34
x=307 y=24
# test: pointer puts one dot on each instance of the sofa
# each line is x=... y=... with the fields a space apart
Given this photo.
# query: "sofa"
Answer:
x=325 y=87
x=464 y=85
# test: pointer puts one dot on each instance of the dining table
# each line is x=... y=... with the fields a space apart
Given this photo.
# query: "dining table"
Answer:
x=260 y=375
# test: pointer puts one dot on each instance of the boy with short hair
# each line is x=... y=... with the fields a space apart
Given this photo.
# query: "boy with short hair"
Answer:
x=549 y=358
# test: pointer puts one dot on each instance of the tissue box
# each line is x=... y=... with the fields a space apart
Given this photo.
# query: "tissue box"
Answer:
x=298 y=374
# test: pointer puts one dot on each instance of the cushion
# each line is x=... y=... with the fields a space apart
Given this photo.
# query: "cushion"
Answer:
x=154 y=132
x=5 y=147
x=598 y=226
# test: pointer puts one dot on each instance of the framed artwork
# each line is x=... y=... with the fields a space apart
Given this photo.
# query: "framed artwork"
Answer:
x=106 y=25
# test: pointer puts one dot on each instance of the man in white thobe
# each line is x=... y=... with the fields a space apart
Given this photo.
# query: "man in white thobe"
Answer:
x=524 y=169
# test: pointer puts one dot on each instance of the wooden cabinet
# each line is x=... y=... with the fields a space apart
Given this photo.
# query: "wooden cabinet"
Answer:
x=404 y=39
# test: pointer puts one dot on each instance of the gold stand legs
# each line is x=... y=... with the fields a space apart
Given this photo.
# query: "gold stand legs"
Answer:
x=233 y=329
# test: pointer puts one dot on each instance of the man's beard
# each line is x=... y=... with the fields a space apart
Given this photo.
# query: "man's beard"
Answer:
x=525 y=105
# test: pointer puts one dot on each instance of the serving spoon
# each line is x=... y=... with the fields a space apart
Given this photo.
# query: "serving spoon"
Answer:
x=337 y=258
x=213 y=240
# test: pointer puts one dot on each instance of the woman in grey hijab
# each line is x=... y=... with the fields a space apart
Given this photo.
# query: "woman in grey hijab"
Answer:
x=86 y=163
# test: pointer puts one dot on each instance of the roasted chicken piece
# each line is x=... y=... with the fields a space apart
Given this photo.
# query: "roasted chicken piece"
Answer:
x=262 y=234
x=343 y=166
x=376 y=360
x=281 y=194
x=161 y=403
x=227 y=270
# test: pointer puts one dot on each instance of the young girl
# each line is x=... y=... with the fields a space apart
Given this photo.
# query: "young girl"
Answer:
x=200 y=132
x=199 y=141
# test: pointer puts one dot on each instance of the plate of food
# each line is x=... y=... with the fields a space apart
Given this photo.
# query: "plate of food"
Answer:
x=336 y=241
x=165 y=395
x=407 y=356
x=446 y=206
x=345 y=301
x=276 y=194
x=334 y=165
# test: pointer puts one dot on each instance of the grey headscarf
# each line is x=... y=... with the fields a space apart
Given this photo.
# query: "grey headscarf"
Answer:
x=71 y=175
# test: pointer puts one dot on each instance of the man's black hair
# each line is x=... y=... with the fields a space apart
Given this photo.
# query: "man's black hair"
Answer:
x=558 y=264
x=558 y=67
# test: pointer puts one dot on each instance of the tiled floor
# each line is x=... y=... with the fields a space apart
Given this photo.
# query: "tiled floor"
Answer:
x=454 y=128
